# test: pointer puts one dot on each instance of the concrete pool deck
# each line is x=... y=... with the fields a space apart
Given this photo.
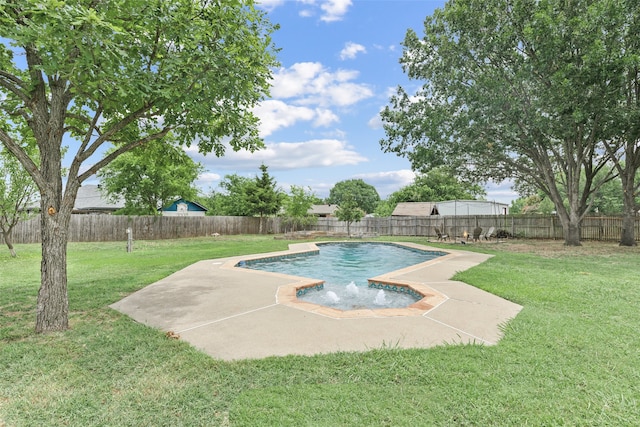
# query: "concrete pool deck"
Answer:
x=233 y=313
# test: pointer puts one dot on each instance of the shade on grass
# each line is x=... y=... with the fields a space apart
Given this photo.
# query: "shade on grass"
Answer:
x=571 y=357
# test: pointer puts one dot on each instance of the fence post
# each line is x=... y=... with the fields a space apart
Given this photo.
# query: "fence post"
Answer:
x=129 y=240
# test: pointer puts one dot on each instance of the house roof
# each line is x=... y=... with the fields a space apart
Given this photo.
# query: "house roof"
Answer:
x=450 y=208
x=415 y=209
x=471 y=207
x=90 y=197
x=172 y=206
x=322 y=209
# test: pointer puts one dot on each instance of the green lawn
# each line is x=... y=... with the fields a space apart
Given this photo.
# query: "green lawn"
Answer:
x=571 y=357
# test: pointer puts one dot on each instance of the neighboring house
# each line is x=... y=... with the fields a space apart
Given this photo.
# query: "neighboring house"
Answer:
x=90 y=200
x=322 y=211
x=471 y=207
x=415 y=209
x=451 y=208
x=182 y=207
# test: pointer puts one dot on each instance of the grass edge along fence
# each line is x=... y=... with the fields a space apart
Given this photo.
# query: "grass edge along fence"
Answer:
x=105 y=228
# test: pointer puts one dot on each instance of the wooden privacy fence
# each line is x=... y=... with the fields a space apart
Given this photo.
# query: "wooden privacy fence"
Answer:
x=108 y=228
x=526 y=227
x=103 y=228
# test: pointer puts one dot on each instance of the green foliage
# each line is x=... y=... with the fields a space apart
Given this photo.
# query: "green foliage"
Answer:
x=608 y=200
x=232 y=200
x=296 y=208
x=349 y=211
x=434 y=186
x=535 y=204
x=365 y=196
x=263 y=197
x=120 y=74
x=150 y=176
x=17 y=193
x=384 y=208
x=243 y=196
x=516 y=89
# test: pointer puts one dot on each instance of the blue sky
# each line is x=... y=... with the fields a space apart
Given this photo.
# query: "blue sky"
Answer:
x=339 y=66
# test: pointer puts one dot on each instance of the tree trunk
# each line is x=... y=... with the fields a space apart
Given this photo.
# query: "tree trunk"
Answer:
x=52 y=311
x=628 y=237
x=571 y=225
x=572 y=234
x=8 y=241
x=6 y=235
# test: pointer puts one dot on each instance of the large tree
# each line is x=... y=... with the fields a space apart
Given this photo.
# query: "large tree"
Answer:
x=435 y=186
x=263 y=196
x=512 y=89
x=623 y=123
x=151 y=176
x=233 y=199
x=94 y=75
x=364 y=195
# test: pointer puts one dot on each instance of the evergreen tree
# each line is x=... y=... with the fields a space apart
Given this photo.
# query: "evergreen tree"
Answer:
x=263 y=197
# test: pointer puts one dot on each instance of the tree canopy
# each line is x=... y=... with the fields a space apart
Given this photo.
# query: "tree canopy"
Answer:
x=514 y=89
x=93 y=76
x=150 y=176
x=349 y=211
x=364 y=195
x=232 y=200
x=296 y=207
x=263 y=197
x=435 y=186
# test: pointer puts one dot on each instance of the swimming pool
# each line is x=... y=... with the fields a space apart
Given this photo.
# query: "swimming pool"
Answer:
x=346 y=269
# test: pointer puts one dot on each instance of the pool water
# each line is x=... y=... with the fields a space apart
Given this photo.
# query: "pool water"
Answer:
x=346 y=268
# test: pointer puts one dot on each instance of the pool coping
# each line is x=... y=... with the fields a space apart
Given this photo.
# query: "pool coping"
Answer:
x=234 y=313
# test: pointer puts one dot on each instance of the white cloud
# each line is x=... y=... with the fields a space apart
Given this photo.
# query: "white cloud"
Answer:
x=295 y=80
x=501 y=192
x=207 y=179
x=270 y=4
x=375 y=122
x=330 y=10
x=276 y=114
x=325 y=117
x=388 y=182
x=317 y=153
x=334 y=10
x=351 y=50
x=309 y=83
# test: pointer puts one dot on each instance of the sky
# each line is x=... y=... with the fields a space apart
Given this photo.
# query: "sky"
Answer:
x=339 y=66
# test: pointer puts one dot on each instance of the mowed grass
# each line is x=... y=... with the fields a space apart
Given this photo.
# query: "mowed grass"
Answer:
x=571 y=357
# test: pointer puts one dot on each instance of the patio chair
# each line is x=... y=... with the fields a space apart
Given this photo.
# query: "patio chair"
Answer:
x=476 y=233
x=488 y=234
x=440 y=235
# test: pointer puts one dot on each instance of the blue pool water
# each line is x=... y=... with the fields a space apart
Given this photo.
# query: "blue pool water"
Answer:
x=345 y=268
